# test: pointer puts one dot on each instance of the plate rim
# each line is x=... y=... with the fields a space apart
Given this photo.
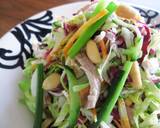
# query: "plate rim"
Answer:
x=61 y=6
x=42 y=11
x=76 y=2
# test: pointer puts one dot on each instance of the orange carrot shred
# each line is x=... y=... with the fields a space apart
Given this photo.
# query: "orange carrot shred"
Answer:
x=103 y=49
x=94 y=112
x=51 y=55
x=82 y=28
x=83 y=94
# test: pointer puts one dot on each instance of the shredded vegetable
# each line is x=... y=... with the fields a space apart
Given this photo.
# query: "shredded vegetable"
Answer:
x=82 y=29
x=98 y=69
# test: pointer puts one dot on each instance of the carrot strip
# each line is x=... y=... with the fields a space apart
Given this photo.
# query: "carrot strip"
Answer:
x=94 y=112
x=82 y=28
x=103 y=49
x=51 y=55
x=83 y=94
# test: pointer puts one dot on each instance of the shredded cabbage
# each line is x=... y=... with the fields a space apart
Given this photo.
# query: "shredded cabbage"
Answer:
x=56 y=106
x=155 y=41
x=109 y=25
x=49 y=40
x=25 y=84
x=62 y=115
x=78 y=19
x=147 y=105
x=128 y=37
x=58 y=36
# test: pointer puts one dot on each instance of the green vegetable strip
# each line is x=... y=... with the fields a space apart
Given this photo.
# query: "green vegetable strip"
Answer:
x=100 y=6
x=39 y=97
x=63 y=113
x=74 y=98
x=113 y=95
x=158 y=85
x=88 y=33
x=133 y=51
x=80 y=87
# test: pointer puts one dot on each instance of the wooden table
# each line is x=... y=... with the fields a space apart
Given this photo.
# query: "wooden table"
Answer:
x=14 y=11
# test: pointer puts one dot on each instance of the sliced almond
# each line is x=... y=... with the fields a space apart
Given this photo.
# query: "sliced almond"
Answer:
x=127 y=12
x=51 y=82
x=93 y=52
x=136 y=76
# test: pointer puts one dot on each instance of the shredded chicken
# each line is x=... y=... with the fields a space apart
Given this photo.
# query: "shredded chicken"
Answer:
x=94 y=80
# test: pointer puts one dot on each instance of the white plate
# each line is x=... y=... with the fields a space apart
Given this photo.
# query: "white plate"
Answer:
x=15 y=47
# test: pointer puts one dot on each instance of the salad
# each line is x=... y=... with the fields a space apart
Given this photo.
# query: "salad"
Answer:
x=99 y=69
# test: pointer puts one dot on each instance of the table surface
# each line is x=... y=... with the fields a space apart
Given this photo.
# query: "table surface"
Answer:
x=14 y=11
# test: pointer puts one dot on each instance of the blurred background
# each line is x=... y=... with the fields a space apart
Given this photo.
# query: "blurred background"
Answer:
x=14 y=11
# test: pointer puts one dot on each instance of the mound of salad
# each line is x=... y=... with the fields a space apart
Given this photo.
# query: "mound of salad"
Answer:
x=99 y=69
